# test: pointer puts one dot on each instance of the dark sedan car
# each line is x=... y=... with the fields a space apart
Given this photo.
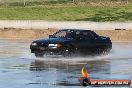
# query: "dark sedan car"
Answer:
x=71 y=41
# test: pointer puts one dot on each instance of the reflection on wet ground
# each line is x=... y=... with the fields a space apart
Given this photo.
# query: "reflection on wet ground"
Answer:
x=19 y=68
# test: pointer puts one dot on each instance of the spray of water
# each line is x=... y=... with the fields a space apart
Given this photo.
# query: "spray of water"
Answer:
x=119 y=50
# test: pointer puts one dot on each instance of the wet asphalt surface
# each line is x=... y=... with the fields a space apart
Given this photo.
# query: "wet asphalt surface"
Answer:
x=21 y=69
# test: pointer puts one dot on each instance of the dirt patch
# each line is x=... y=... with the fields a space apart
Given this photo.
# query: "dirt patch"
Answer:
x=115 y=35
x=25 y=33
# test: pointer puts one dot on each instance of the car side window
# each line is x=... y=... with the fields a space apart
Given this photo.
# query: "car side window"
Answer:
x=88 y=35
x=77 y=34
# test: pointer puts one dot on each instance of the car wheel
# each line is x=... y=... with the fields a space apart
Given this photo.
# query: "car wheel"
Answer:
x=107 y=51
x=103 y=51
x=68 y=51
x=38 y=54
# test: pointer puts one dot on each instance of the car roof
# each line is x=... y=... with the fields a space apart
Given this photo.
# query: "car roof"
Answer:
x=76 y=30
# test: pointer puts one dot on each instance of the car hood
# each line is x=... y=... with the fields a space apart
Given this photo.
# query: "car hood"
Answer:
x=52 y=40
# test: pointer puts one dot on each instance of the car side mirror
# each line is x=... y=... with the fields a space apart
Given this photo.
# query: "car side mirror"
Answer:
x=50 y=36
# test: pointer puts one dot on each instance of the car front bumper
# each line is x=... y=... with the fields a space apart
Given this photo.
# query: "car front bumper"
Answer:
x=50 y=50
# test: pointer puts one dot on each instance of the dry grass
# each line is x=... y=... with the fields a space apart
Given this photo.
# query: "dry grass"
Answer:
x=25 y=33
x=115 y=35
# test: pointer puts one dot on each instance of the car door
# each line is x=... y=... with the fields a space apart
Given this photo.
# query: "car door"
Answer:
x=89 y=41
x=84 y=41
x=79 y=41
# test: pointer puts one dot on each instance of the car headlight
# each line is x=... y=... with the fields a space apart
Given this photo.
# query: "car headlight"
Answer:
x=34 y=44
x=54 y=45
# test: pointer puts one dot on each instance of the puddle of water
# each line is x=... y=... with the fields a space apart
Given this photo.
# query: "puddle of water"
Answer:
x=20 y=68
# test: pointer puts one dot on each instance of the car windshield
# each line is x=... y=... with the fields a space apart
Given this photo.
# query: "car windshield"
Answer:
x=61 y=34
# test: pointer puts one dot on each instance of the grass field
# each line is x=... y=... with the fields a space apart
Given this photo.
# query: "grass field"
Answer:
x=32 y=2
x=68 y=12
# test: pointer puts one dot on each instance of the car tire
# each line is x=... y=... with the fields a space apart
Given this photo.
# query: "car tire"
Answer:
x=68 y=51
x=38 y=54
x=103 y=51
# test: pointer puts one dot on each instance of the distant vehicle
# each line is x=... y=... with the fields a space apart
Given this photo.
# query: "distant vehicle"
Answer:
x=67 y=42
